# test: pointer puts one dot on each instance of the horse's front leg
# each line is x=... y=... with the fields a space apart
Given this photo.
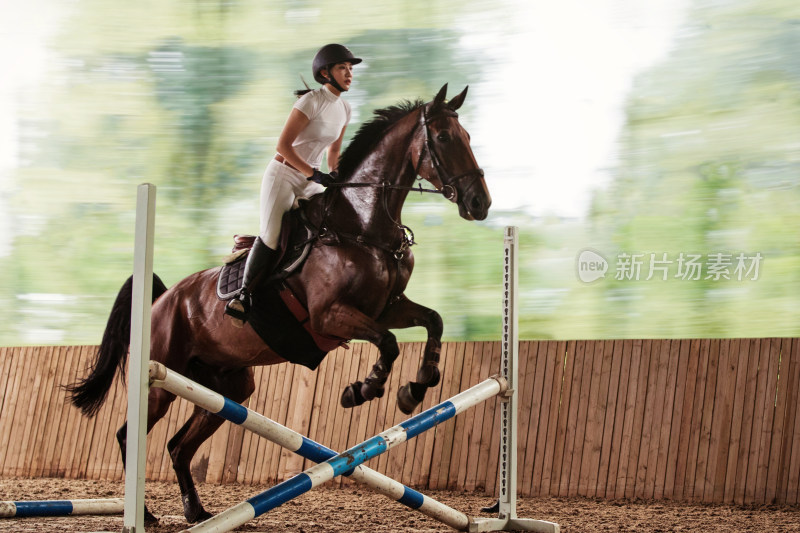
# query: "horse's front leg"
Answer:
x=403 y=313
x=348 y=322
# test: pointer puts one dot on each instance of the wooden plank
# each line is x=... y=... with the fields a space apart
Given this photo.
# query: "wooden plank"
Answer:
x=70 y=416
x=281 y=412
x=7 y=359
x=722 y=420
x=480 y=369
x=718 y=442
x=594 y=422
x=793 y=483
x=268 y=466
x=251 y=440
x=494 y=448
x=467 y=436
x=644 y=487
x=535 y=384
x=692 y=350
x=406 y=370
x=622 y=356
x=545 y=410
x=16 y=413
x=767 y=428
x=569 y=482
x=660 y=354
x=705 y=428
x=748 y=413
x=681 y=348
x=441 y=432
x=448 y=428
x=526 y=377
x=667 y=421
x=760 y=400
x=462 y=422
x=697 y=420
x=609 y=388
x=785 y=484
x=638 y=421
x=764 y=397
x=43 y=397
x=739 y=354
x=388 y=462
x=776 y=457
x=559 y=443
x=556 y=412
x=48 y=458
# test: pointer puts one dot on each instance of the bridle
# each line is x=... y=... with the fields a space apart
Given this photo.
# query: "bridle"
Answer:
x=448 y=189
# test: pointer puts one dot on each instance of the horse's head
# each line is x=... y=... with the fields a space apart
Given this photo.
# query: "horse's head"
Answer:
x=445 y=158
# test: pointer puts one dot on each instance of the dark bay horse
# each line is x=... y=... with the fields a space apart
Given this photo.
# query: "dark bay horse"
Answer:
x=352 y=289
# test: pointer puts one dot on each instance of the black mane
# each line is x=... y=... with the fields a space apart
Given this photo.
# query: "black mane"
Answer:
x=370 y=133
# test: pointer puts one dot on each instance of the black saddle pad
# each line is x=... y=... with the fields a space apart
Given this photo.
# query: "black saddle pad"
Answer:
x=277 y=326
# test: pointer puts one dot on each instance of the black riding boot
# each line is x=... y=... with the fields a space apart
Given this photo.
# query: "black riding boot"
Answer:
x=259 y=264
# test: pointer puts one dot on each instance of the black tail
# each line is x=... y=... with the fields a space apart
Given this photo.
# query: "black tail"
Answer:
x=88 y=394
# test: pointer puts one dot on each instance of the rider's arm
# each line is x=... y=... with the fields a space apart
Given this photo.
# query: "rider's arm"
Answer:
x=296 y=123
x=333 y=152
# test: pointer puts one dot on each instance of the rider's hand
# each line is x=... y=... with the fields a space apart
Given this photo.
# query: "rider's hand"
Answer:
x=322 y=178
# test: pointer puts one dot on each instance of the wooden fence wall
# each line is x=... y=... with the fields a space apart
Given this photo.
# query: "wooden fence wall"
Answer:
x=705 y=420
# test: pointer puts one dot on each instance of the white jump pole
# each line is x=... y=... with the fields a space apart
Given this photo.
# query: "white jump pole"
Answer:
x=133 y=520
x=25 y=509
x=507 y=519
x=213 y=402
x=350 y=459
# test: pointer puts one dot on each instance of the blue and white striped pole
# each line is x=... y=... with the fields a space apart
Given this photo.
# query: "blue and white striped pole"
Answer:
x=213 y=402
x=20 y=509
x=346 y=462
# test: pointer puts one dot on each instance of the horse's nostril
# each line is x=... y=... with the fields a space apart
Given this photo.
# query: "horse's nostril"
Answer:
x=476 y=203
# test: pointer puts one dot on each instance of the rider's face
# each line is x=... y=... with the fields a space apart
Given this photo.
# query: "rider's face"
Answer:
x=343 y=74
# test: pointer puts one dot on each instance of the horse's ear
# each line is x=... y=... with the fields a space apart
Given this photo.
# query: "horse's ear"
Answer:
x=439 y=99
x=456 y=102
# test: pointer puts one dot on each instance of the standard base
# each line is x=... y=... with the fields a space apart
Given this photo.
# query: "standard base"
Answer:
x=513 y=524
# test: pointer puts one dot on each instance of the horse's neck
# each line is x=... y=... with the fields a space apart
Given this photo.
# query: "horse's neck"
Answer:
x=387 y=164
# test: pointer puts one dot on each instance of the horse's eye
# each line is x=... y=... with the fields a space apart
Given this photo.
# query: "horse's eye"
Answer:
x=443 y=137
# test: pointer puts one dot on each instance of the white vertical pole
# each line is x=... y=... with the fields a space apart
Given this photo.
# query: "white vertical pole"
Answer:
x=138 y=371
x=510 y=364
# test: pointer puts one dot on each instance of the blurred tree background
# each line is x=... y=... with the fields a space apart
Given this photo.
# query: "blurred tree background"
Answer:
x=191 y=96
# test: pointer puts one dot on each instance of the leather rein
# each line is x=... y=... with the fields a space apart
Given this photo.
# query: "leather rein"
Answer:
x=448 y=190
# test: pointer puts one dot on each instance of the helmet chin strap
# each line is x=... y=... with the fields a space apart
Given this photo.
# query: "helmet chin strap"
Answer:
x=330 y=79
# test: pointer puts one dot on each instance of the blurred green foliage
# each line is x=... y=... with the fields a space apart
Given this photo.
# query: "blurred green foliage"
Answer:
x=191 y=96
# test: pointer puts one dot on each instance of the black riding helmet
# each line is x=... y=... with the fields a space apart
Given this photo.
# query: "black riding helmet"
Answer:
x=329 y=55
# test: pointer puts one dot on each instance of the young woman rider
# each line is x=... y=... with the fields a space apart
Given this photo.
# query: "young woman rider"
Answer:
x=315 y=125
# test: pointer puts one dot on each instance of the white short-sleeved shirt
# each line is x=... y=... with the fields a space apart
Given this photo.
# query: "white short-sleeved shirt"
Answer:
x=328 y=114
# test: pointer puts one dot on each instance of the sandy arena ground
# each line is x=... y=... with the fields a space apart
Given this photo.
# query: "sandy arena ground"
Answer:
x=359 y=510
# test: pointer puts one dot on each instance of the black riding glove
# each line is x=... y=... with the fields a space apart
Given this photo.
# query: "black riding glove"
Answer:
x=322 y=178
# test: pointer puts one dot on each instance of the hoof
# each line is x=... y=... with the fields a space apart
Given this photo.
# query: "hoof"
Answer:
x=149 y=518
x=351 y=397
x=409 y=397
x=492 y=509
x=369 y=391
x=202 y=516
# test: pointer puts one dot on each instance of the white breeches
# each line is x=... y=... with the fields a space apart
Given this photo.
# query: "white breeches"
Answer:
x=280 y=187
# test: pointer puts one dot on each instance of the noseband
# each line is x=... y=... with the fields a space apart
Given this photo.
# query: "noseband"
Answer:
x=448 y=190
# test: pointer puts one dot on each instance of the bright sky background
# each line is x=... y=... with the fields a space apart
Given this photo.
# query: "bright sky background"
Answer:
x=550 y=117
x=544 y=123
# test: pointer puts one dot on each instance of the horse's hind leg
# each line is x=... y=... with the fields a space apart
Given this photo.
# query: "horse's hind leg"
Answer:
x=157 y=404
x=403 y=313
x=237 y=385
